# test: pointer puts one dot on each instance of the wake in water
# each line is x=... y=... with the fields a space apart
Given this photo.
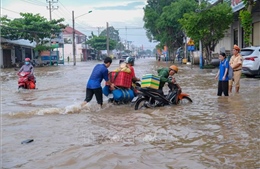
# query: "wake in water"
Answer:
x=75 y=108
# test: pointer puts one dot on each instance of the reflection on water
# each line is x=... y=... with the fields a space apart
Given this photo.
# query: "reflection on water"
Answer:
x=212 y=132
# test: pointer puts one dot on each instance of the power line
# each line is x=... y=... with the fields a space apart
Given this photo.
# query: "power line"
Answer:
x=32 y=2
x=24 y=30
x=64 y=6
x=10 y=10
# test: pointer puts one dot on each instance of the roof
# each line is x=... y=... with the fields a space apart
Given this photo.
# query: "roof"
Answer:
x=69 y=30
x=21 y=42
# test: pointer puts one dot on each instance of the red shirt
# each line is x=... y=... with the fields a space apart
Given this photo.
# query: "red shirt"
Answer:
x=132 y=71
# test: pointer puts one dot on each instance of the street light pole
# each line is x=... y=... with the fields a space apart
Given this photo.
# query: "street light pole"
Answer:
x=73 y=36
x=73 y=39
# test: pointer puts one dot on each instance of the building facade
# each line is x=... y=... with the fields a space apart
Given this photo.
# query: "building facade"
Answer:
x=235 y=34
x=13 y=52
x=81 y=48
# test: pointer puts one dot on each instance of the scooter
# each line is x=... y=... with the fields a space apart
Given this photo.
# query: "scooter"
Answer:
x=150 y=98
x=25 y=81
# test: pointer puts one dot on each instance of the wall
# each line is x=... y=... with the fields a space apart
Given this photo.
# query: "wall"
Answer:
x=68 y=51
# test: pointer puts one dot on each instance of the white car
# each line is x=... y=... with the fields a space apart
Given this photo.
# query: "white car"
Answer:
x=251 y=61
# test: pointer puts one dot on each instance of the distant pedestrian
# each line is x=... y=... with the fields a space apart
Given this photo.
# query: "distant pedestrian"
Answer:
x=68 y=58
x=222 y=75
x=99 y=73
x=236 y=64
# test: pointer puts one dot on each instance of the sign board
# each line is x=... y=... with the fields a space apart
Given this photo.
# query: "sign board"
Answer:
x=59 y=38
x=236 y=5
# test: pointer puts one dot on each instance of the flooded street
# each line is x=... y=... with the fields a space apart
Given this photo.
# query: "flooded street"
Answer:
x=211 y=133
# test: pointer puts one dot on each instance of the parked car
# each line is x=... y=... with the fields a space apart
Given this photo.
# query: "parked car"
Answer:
x=251 y=61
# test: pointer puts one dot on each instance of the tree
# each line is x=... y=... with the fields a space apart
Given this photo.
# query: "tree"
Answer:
x=173 y=35
x=120 y=46
x=209 y=26
x=152 y=13
x=161 y=21
x=32 y=27
x=112 y=33
x=100 y=43
x=245 y=16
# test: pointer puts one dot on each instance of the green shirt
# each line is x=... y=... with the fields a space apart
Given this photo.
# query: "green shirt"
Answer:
x=164 y=74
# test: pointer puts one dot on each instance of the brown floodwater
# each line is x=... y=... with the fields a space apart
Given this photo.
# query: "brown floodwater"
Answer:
x=210 y=133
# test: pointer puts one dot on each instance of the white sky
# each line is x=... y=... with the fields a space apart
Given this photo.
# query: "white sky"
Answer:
x=121 y=14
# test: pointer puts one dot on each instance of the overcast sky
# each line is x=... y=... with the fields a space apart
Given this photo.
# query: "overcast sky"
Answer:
x=124 y=15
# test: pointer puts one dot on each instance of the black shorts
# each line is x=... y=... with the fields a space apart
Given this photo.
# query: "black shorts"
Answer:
x=98 y=93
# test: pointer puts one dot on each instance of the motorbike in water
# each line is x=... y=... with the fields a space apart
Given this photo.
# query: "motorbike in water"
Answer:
x=26 y=81
x=121 y=95
x=150 y=98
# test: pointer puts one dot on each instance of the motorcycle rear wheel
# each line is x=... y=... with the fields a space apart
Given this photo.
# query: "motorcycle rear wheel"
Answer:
x=140 y=103
x=185 y=100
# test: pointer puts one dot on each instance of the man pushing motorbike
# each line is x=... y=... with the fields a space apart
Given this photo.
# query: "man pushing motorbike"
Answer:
x=166 y=75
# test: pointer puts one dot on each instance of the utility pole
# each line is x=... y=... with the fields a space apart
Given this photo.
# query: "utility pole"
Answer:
x=73 y=36
x=107 y=41
x=51 y=7
x=73 y=39
x=126 y=43
x=200 y=44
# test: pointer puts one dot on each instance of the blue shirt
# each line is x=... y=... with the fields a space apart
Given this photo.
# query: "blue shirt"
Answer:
x=99 y=73
x=222 y=68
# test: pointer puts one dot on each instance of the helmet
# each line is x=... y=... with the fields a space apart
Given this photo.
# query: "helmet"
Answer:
x=27 y=59
x=129 y=60
x=175 y=68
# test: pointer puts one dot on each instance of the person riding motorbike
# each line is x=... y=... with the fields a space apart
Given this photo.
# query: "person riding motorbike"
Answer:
x=164 y=74
x=28 y=67
x=129 y=62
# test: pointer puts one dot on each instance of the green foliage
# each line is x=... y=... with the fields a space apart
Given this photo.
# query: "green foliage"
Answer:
x=152 y=12
x=209 y=26
x=32 y=27
x=249 y=3
x=120 y=46
x=161 y=21
x=100 y=43
x=173 y=33
x=112 y=33
x=246 y=22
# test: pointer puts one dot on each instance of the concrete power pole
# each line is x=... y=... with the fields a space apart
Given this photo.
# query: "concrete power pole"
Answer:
x=107 y=41
x=201 y=51
x=51 y=7
x=73 y=39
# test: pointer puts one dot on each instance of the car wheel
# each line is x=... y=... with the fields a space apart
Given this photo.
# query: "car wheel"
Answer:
x=249 y=76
